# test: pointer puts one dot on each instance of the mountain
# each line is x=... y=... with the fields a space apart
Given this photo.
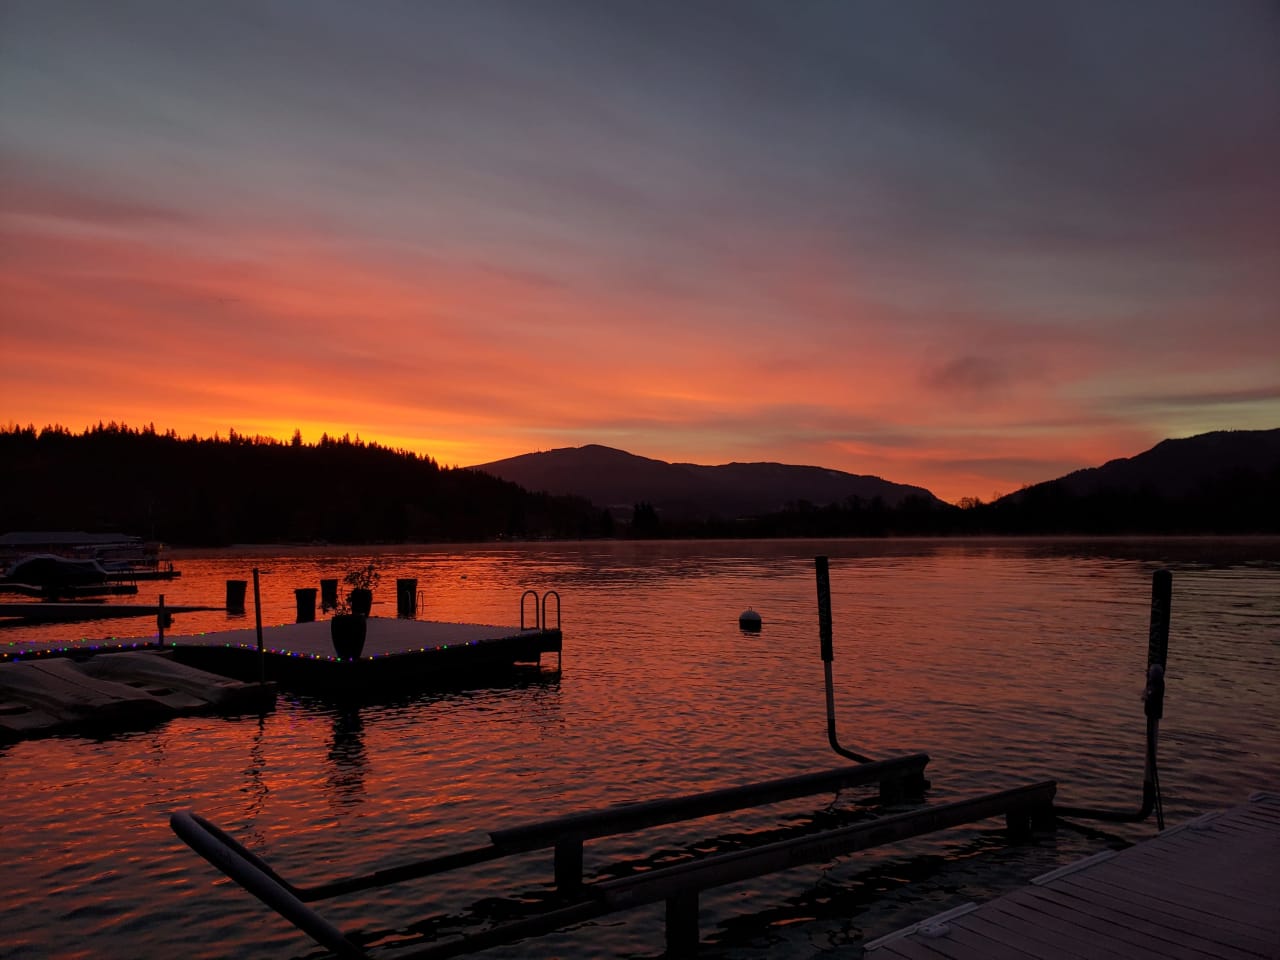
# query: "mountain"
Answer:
x=618 y=480
x=1177 y=469
x=1226 y=482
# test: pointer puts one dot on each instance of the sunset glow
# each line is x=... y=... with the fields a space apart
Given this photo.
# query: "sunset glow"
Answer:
x=959 y=251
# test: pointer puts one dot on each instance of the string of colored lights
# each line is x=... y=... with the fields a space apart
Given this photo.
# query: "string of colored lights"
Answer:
x=84 y=645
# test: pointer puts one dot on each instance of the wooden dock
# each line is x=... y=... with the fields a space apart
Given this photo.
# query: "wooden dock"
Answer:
x=1208 y=889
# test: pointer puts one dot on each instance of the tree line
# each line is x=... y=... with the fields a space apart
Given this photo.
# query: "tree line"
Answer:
x=238 y=489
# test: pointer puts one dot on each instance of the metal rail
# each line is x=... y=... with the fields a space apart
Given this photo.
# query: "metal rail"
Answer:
x=566 y=835
x=259 y=879
x=828 y=655
x=1153 y=697
x=680 y=885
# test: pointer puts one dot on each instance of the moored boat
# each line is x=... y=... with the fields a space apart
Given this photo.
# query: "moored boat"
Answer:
x=122 y=557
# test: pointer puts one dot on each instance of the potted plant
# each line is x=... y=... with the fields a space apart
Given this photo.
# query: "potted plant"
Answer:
x=362 y=580
x=347 y=631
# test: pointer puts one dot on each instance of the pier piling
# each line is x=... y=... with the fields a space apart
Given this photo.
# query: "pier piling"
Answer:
x=235 y=595
x=305 y=597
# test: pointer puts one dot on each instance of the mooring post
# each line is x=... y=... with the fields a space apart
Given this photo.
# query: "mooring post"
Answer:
x=305 y=599
x=682 y=924
x=160 y=622
x=257 y=613
x=235 y=596
x=328 y=593
x=568 y=864
x=407 y=597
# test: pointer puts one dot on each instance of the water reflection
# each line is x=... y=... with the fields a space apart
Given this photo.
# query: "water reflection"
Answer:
x=255 y=782
x=347 y=759
x=1007 y=662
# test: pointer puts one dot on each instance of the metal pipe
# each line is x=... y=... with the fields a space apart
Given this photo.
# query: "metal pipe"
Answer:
x=260 y=880
x=1153 y=706
x=828 y=655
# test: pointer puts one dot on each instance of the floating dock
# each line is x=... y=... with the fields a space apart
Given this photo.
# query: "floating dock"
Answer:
x=398 y=654
x=50 y=686
x=1208 y=889
x=114 y=691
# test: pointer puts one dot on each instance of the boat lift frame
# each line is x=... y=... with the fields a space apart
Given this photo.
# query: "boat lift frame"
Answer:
x=1153 y=697
x=681 y=884
x=897 y=778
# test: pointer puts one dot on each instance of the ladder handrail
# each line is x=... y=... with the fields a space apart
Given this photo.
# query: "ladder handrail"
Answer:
x=546 y=624
x=537 y=617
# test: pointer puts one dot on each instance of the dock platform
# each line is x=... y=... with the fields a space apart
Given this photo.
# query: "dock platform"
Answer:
x=1208 y=889
x=398 y=653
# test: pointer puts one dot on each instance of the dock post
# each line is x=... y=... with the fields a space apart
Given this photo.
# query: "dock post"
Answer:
x=305 y=597
x=235 y=596
x=257 y=613
x=568 y=864
x=407 y=597
x=682 y=924
x=160 y=622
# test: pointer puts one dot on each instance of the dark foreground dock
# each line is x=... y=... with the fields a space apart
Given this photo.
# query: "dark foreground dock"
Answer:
x=1208 y=889
x=398 y=654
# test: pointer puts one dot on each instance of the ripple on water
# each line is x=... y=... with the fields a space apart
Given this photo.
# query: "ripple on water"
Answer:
x=1008 y=663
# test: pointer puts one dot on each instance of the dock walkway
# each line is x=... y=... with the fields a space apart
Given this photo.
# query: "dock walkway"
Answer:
x=1208 y=889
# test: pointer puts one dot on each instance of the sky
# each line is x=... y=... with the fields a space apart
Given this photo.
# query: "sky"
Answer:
x=969 y=246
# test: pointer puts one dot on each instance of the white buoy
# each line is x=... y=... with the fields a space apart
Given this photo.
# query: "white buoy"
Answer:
x=749 y=620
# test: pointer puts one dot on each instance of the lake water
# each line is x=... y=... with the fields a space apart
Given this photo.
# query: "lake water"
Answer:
x=1007 y=661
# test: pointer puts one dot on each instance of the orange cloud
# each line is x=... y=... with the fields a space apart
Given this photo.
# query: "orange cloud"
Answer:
x=113 y=311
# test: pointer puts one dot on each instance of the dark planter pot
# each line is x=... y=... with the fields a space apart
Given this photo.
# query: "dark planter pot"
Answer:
x=347 y=631
x=361 y=601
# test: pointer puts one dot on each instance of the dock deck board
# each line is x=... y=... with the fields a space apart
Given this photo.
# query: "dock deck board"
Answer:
x=1208 y=889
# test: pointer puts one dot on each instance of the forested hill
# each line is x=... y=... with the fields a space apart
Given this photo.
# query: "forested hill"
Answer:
x=240 y=489
x=192 y=491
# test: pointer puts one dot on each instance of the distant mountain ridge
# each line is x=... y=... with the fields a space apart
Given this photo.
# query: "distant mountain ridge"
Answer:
x=1175 y=469
x=617 y=480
